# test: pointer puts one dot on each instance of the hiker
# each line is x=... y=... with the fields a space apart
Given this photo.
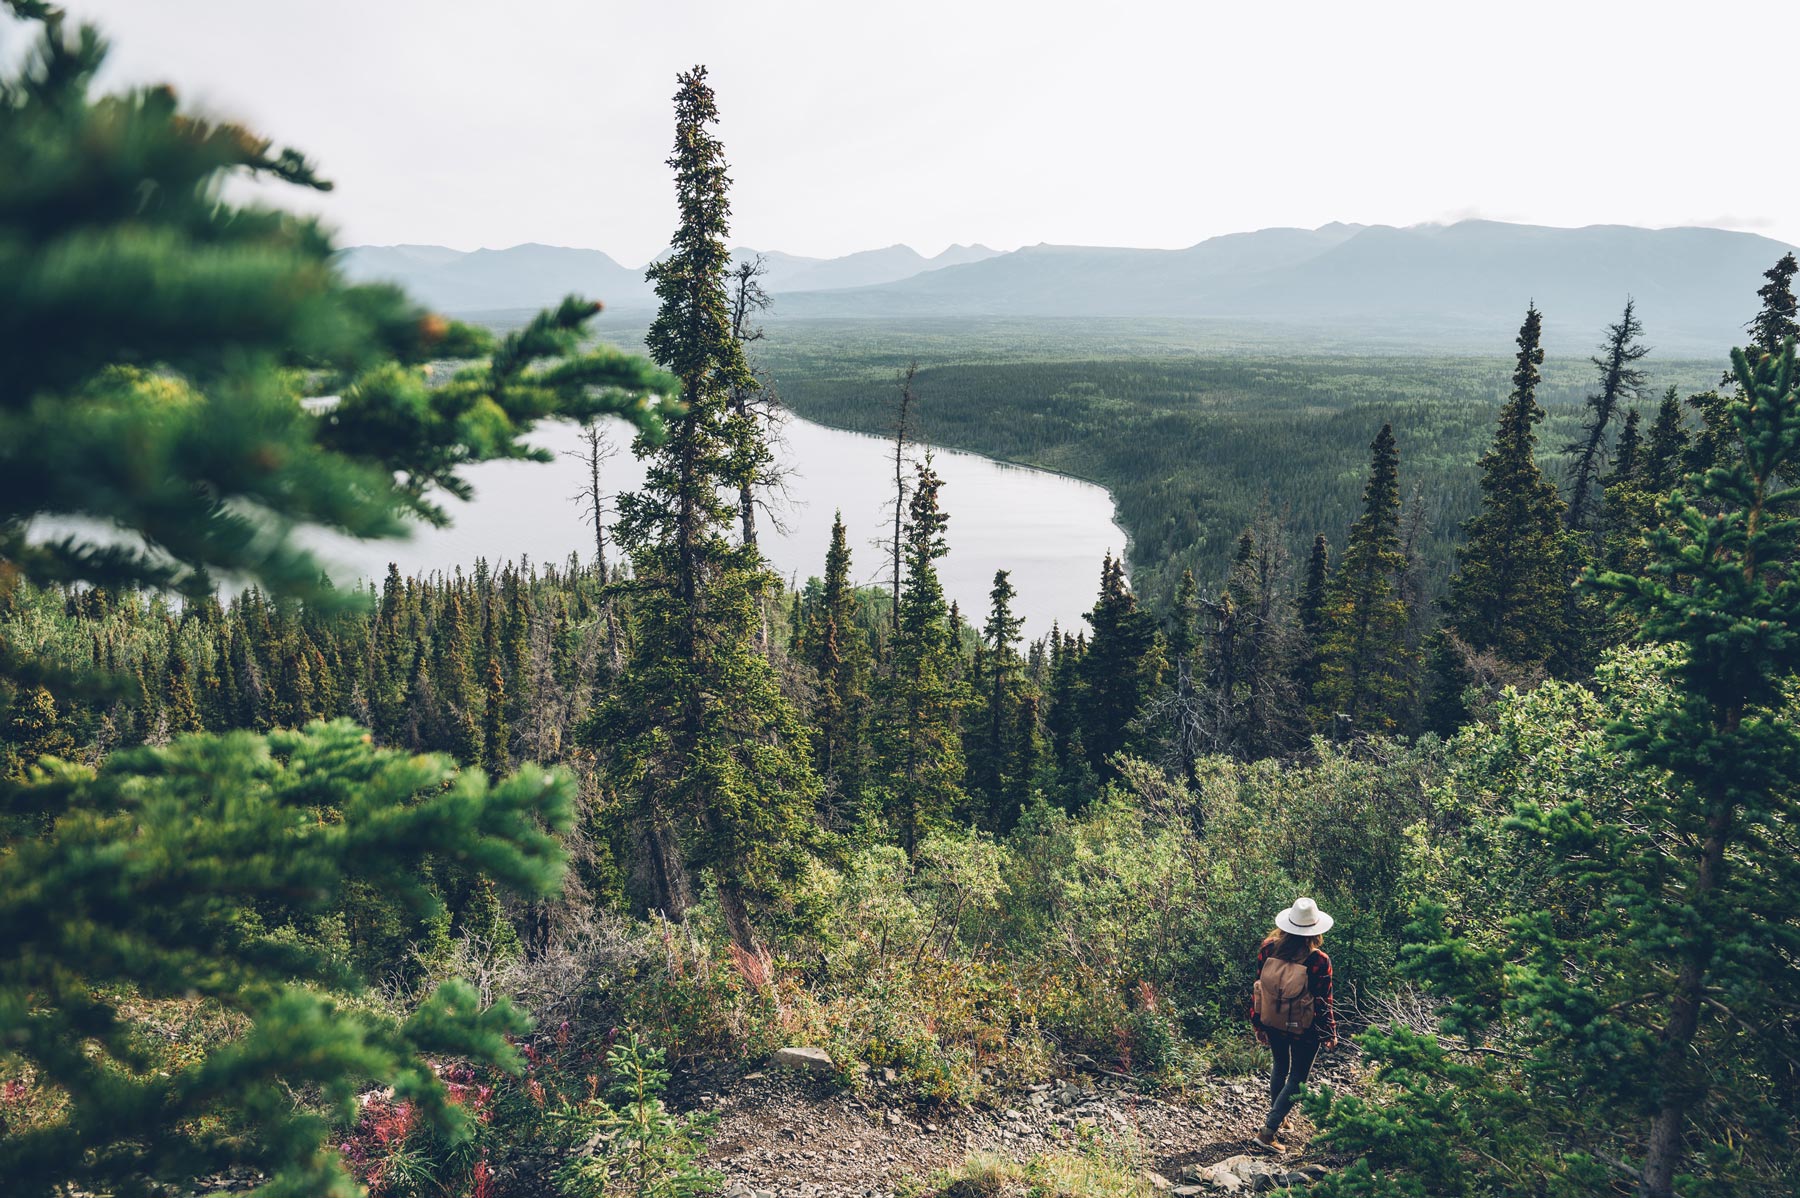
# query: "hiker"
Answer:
x=1290 y=1006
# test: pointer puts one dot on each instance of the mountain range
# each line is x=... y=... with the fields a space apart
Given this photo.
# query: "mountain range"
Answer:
x=1462 y=285
x=532 y=275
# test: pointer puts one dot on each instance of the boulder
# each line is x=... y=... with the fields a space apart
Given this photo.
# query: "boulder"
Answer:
x=814 y=1060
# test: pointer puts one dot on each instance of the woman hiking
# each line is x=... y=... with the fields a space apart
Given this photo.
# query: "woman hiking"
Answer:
x=1290 y=1006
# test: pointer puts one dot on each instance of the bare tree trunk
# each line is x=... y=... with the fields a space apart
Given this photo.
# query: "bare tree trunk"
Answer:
x=900 y=436
x=747 y=299
x=592 y=497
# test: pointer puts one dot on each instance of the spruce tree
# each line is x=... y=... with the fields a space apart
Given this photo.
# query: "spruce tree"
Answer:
x=1667 y=448
x=699 y=733
x=1775 y=324
x=1315 y=586
x=918 y=740
x=1628 y=506
x=837 y=651
x=179 y=705
x=1365 y=671
x=454 y=673
x=1249 y=702
x=992 y=757
x=495 y=736
x=1119 y=670
x=1509 y=595
x=1620 y=382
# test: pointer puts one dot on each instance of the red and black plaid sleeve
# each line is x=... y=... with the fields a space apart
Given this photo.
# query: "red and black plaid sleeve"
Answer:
x=1318 y=978
x=1262 y=954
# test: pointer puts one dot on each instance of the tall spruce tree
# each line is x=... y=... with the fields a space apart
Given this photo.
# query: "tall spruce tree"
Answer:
x=699 y=735
x=1365 y=670
x=1119 y=670
x=838 y=653
x=156 y=334
x=918 y=740
x=1509 y=595
x=1628 y=505
x=1315 y=586
x=1620 y=381
x=999 y=636
x=495 y=735
x=1667 y=447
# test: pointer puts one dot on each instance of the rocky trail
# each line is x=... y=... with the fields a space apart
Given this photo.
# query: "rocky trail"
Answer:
x=791 y=1132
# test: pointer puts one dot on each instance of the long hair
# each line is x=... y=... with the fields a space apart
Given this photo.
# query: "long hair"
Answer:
x=1290 y=947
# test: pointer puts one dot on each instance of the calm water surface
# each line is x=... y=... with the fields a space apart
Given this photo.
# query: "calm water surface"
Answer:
x=1050 y=531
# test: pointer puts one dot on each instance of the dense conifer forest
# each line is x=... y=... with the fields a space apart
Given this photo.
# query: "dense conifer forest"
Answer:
x=432 y=887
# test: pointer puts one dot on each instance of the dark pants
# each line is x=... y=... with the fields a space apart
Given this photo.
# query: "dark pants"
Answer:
x=1293 y=1061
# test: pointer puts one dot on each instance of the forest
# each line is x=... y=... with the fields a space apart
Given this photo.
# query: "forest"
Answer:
x=440 y=886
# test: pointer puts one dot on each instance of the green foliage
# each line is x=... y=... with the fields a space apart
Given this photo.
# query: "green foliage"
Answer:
x=1119 y=671
x=1509 y=594
x=160 y=338
x=171 y=873
x=838 y=652
x=627 y=1144
x=918 y=746
x=1097 y=1168
x=1366 y=667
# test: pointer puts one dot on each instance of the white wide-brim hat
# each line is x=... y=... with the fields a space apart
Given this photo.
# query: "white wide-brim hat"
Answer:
x=1304 y=919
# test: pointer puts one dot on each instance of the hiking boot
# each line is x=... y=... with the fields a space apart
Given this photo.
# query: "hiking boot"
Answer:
x=1267 y=1139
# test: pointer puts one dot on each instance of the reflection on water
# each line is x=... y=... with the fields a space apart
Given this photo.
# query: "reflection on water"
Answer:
x=1050 y=531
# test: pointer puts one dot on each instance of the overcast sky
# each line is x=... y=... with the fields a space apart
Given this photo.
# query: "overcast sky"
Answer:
x=851 y=125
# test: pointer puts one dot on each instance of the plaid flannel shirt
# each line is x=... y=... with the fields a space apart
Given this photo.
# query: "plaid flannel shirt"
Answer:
x=1318 y=980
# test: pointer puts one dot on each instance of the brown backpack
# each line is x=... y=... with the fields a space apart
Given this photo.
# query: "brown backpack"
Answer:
x=1283 y=996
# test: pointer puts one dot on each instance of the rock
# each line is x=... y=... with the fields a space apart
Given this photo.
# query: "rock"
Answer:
x=1013 y=1114
x=893 y=1118
x=889 y=1076
x=1158 y=1181
x=815 y=1060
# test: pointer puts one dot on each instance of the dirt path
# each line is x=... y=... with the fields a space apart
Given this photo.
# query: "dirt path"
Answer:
x=791 y=1135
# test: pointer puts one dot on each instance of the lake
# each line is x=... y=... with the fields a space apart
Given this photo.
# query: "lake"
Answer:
x=1050 y=531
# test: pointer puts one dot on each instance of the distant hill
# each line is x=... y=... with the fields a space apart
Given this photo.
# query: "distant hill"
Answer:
x=1461 y=286
x=525 y=276
x=788 y=272
x=531 y=275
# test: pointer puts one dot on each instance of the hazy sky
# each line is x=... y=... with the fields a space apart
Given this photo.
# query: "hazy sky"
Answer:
x=851 y=124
